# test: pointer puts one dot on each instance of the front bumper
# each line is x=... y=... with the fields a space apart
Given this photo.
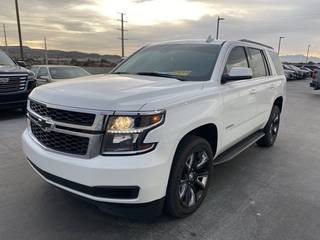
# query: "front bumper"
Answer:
x=16 y=99
x=135 y=181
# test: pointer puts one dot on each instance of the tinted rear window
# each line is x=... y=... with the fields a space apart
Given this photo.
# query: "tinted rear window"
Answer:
x=276 y=62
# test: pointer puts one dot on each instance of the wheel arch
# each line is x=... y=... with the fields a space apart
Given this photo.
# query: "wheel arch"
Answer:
x=279 y=102
x=209 y=132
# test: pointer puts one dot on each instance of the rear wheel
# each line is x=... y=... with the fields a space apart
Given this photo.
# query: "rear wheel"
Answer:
x=189 y=177
x=271 y=129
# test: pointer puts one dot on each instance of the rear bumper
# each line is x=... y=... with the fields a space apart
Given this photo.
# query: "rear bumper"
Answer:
x=315 y=85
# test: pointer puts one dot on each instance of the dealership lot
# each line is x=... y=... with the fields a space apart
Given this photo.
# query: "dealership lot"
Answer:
x=261 y=194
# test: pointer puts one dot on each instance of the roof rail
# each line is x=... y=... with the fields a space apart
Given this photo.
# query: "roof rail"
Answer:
x=249 y=41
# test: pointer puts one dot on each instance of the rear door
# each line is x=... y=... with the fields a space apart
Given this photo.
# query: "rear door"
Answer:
x=267 y=84
x=239 y=100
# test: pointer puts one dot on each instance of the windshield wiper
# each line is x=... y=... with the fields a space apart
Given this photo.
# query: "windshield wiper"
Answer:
x=159 y=74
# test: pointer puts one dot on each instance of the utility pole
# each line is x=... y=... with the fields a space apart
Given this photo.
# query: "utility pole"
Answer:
x=5 y=37
x=19 y=30
x=122 y=33
x=45 y=51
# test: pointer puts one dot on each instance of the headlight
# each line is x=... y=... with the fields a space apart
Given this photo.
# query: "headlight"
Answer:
x=125 y=133
x=30 y=75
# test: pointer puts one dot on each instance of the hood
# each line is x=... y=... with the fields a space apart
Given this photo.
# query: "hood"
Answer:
x=10 y=69
x=115 y=92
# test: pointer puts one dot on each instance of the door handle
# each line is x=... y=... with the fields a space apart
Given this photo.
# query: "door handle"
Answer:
x=253 y=91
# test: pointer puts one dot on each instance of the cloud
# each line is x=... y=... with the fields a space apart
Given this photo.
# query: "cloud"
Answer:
x=141 y=1
x=92 y=26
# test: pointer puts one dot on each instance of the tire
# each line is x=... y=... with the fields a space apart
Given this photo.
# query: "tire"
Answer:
x=271 y=129
x=189 y=177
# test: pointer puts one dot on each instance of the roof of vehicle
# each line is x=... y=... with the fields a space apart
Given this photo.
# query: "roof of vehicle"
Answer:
x=54 y=66
x=213 y=41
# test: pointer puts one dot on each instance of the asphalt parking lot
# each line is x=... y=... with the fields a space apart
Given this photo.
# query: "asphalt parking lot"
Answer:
x=262 y=193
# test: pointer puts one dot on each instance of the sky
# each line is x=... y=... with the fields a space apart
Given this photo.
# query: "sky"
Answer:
x=92 y=26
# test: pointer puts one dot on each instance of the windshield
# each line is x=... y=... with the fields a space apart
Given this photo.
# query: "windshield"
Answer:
x=67 y=72
x=5 y=60
x=189 y=62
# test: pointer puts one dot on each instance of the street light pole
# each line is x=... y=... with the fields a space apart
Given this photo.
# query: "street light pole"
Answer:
x=308 y=53
x=19 y=30
x=45 y=51
x=279 y=44
x=219 y=19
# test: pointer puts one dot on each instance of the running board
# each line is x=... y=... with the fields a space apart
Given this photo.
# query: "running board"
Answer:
x=238 y=148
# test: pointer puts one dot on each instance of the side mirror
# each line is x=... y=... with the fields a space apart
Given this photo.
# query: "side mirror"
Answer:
x=46 y=78
x=21 y=63
x=238 y=73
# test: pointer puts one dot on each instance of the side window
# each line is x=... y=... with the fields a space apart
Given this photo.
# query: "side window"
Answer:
x=258 y=63
x=34 y=69
x=276 y=62
x=237 y=58
x=43 y=71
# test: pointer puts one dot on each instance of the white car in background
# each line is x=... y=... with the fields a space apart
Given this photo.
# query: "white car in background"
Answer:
x=53 y=73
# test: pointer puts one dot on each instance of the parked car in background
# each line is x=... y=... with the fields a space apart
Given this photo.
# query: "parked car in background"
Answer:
x=315 y=82
x=290 y=74
x=16 y=82
x=53 y=73
x=310 y=71
x=301 y=73
x=310 y=66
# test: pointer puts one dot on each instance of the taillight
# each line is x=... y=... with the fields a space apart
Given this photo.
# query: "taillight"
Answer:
x=314 y=74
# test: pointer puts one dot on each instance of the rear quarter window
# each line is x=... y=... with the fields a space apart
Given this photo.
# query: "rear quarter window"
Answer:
x=258 y=63
x=277 y=63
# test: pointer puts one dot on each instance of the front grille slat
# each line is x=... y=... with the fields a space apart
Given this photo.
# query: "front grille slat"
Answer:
x=61 y=142
x=12 y=84
x=59 y=129
x=64 y=116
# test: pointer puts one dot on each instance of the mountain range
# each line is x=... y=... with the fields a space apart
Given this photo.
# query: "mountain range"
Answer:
x=14 y=51
x=28 y=52
x=299 y=59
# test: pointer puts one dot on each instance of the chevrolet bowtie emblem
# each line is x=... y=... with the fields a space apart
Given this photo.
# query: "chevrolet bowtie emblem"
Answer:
x=45 y=124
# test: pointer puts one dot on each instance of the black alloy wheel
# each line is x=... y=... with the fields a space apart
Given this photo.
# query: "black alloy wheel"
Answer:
x=189 y=177
x=271 y=129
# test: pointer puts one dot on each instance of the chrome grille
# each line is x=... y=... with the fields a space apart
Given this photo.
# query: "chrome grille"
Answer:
x=61 y=142
x=9 y=83
x=65 y=116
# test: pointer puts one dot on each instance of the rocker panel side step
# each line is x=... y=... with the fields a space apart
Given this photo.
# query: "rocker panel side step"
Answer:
x=238 y=148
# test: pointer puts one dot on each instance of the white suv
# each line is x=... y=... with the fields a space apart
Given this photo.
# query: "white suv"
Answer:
x=146 y=135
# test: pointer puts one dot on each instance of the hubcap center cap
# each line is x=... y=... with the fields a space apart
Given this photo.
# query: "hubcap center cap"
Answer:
x=191 y=176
